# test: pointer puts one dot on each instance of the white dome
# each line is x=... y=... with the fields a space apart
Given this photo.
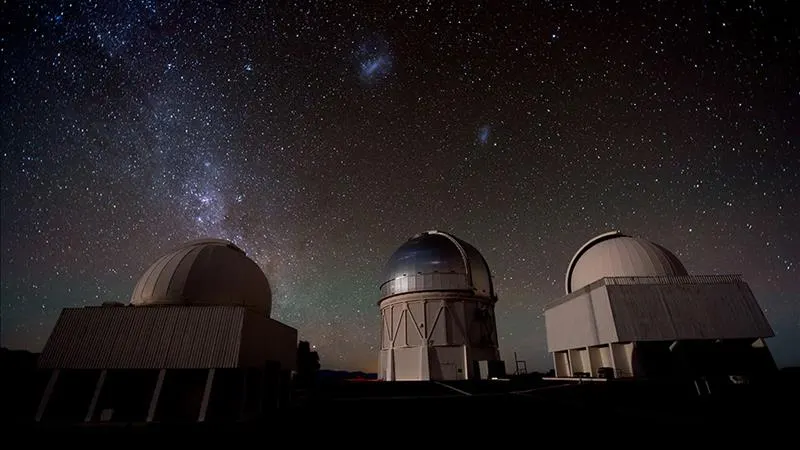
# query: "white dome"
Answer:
x=204 y=272
x=617 y=255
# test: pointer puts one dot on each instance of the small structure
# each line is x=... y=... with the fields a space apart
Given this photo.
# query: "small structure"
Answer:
x=632 y=310
x=437 y=312
x=196 y=343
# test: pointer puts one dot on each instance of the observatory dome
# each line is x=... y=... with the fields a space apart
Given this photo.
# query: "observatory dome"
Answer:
x=617 y=255
x=205 y=272
x=436 y=261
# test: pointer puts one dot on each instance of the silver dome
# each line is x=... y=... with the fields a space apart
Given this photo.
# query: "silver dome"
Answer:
x=436 y=261
x=618 y=255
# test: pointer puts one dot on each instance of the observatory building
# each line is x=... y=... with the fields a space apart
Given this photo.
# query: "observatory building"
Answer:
x=437 y=312
x=632 y=310
x=196 y=343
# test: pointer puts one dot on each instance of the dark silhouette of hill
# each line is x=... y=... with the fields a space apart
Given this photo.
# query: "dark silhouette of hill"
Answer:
x=18 y=360
x=20 y=384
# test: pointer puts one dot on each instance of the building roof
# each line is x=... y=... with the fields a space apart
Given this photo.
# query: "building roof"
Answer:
x=436 y=261
x=618 y=255
x=204 y=272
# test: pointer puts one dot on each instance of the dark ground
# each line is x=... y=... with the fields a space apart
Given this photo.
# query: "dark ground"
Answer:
x=495 y=407
x=501 y=409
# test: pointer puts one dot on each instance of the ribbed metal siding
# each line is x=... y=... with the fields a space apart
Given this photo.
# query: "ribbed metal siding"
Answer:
x=686 y=311
x=145 y=337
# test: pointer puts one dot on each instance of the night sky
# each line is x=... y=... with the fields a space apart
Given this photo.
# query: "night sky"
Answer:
x=320 y=135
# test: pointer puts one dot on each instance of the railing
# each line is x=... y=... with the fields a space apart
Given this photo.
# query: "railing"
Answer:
x=685 y=279
x=663 y=280
x=424 y=282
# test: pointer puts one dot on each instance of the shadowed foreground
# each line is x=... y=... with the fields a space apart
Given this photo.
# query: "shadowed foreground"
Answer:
x=497 y=405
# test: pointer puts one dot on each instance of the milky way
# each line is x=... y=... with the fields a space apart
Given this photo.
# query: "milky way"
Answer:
x=319 y=136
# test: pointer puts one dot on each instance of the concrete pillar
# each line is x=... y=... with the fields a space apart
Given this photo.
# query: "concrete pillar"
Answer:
x=555 y=364
x=151 y=412
x=206 y=395
x=48 y=391
x=570 y=370
x=613 y=360
x=589 y=360
x=96 y=396
x=466 y=362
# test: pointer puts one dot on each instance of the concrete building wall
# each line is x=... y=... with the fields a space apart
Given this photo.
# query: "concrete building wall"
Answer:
x=623 y=358
x=408 y=364
x=600 y=356
x=584 y=320
x=561 y=363
x=579 y=360
x=630 y=323
x=570 y=325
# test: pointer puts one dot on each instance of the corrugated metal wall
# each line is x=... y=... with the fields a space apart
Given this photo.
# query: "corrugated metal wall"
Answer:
x=126 y=337
x=687 y=311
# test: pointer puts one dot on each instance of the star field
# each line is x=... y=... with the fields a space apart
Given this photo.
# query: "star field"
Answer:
x=320 y=135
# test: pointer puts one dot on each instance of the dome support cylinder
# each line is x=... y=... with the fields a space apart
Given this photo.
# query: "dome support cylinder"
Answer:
x=437 y=310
